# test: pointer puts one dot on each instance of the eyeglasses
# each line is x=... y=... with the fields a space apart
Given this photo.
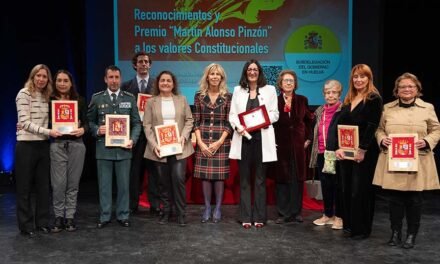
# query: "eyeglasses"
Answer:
x=401 y=87
x=288 y=81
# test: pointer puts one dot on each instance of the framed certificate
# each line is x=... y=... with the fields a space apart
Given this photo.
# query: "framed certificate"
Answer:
x=64 y=116
x=141 y=102
x=348 y=140
x=254 y=119
x=402 y=153
x=117 y=130
x=167 y=137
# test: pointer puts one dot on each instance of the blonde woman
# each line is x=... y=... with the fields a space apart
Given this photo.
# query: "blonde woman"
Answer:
x=212 y=103
x=32 y=162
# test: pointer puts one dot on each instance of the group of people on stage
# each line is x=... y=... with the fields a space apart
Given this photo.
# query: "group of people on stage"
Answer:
x=280 y=146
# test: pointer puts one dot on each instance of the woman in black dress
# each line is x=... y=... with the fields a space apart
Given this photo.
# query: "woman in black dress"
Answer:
x=362 y=108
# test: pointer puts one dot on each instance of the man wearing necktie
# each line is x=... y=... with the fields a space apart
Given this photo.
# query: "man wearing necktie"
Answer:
x=113 y=159
x=142 y=83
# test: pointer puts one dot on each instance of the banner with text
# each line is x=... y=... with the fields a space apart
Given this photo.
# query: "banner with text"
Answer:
x=313 y=38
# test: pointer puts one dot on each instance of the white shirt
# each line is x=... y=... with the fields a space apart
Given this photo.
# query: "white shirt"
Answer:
x=110 y=93
x=168 y=110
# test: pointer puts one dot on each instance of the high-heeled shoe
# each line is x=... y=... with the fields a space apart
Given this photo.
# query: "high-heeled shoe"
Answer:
x=217 y=215
x=259 y=225
x=206 y=215
x=246 y=225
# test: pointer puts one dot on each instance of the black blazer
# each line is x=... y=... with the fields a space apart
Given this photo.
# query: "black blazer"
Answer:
x=132 y=87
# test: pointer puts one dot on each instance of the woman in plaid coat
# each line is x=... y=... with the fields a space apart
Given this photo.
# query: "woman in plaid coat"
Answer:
x=212 y=129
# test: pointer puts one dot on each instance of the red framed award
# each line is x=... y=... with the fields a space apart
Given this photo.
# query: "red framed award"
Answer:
x=167 y=137
x=64 y=116
x=402 y=153
x=348 y=140
x=254 y=119
x=141 y=103
x=117 y=130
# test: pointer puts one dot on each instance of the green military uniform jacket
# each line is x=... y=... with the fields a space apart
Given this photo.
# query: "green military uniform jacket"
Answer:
x=100 y=105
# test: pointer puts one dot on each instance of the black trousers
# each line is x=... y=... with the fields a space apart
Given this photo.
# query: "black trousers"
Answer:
x=252 y=157
x=153 y=185
x=405 y=203
x=172 y=178
x=289 y=197
x=32 y=173
x=331 y=190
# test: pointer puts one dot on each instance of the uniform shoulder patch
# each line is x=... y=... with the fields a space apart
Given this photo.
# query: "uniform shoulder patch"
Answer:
x=98 y=93
x=128 y=93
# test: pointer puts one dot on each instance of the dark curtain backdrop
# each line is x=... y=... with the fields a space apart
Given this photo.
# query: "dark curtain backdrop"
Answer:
x=78 y=36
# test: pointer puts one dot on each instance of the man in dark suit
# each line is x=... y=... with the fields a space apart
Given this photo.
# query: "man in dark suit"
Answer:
x=142 y=83
x=113 y=159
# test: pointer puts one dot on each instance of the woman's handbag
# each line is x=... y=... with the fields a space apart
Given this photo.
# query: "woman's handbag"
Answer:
x=329 y=162
x=313 y=188
x=329 y=156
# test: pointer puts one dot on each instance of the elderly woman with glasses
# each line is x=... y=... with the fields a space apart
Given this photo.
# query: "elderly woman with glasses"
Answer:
x=407 y=114
x=292 y=133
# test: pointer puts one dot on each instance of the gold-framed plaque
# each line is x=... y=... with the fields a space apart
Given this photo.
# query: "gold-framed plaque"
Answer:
x=167 y=137
x=64 y=116
x=402 y=153
x=117 y=130
x=348 y=140
x=141 y=103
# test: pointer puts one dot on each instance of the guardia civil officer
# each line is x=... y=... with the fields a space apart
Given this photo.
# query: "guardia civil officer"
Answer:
x=118 y=159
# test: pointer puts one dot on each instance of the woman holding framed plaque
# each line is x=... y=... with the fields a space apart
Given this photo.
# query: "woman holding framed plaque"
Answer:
x=168 y=123
x=212 y=129
x=32 y=158
x=292 y=133
x=254 y=108
x=408 y=132
x=67 y=152
x=361 y=109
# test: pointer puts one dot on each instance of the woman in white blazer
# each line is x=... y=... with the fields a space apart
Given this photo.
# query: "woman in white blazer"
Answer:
x=253 y=154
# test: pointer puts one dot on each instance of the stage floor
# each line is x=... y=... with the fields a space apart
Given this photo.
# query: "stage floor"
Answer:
x=226 y=242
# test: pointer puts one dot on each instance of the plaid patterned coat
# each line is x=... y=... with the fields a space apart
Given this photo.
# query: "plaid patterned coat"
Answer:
x=212 y=120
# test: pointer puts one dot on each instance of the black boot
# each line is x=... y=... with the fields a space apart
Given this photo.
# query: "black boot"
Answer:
x=410 y=241
x=395 y=239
